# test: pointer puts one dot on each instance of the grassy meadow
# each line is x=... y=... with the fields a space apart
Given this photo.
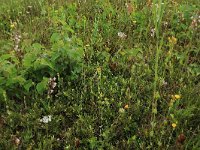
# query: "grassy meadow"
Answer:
x=99 y=74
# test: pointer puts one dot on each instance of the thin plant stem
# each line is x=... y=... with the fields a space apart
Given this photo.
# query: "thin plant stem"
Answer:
x=157 y=16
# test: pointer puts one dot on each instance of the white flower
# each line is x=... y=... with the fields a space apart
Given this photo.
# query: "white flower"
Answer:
x=30 y=7
x=54 y=85
x=164 y=83
x=121 y=110
x=46 y=119
x=51 y=91
x=121 y=34
x=17 y=141
x=165 y=23
x=69 y=39
x=153 y=32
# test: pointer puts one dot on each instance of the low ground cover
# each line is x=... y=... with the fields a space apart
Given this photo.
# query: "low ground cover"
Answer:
x=99 y=74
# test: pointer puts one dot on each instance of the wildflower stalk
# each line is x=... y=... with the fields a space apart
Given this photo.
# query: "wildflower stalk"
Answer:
x=100 y=96
x=157 y=17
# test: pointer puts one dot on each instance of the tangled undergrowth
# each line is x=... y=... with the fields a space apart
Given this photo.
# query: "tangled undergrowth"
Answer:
x=109 y=74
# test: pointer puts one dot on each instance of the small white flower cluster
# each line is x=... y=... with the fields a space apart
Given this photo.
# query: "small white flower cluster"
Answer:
x=195 y=21
x=16 y=140
x=29 y=9
x=52 y=84
x=30 y=6
x=17 y=39
x=153 y=32
x=122 y=35
x=163 y=82
x=69 y=39
x=165 y=23
x=46 y=119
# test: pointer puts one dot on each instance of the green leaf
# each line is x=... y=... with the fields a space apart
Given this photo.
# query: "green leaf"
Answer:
x=5 y=56
x=2 y=94
x=28 y=60
x=42 y=86
x=37 y=46
x=42 y=63
x=55 y=37
x=67 y=27
x=93 y=142
x=134 y=52
x=2 y=80
x=14 y=80
x=28 y=84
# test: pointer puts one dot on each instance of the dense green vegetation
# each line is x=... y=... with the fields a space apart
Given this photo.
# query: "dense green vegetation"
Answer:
x=104 y=74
